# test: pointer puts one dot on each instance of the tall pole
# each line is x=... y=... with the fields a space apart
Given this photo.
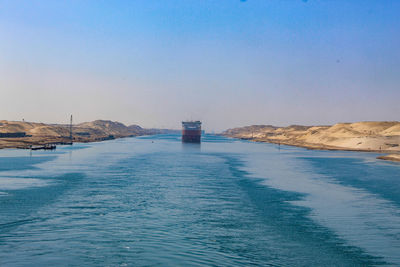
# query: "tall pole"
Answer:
x=70 y=129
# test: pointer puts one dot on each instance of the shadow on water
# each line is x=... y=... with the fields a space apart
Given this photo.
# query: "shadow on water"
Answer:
x=155 y=203
x=292 y=223
x=22 y=163
x=19 y=206
x=381 y=181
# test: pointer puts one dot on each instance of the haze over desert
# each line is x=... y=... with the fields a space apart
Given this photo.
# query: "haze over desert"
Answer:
x=200 y=133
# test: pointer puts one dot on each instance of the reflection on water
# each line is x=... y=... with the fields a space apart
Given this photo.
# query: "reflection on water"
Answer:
x=191 y=147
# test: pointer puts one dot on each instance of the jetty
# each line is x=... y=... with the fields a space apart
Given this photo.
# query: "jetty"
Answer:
x=44 y=147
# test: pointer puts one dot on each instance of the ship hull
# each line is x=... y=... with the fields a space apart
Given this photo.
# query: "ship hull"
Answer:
x=191 y=131
x=191 y=136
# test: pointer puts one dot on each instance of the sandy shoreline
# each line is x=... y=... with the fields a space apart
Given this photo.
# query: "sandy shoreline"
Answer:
x=391 y=157
x=23 y=135
x=26 y=143
x=378 y=137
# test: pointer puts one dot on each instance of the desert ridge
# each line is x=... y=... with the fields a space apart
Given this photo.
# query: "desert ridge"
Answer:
x=33 y=133
x=360 y=136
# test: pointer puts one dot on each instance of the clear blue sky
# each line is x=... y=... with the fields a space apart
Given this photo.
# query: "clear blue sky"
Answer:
x=226 y=62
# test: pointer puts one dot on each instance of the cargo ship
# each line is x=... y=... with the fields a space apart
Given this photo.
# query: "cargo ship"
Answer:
x=191 y=131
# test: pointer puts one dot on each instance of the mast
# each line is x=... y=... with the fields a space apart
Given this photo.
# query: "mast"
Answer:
x=70 y=129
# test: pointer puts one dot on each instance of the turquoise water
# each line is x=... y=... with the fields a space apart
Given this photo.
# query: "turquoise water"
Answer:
x=153 y=201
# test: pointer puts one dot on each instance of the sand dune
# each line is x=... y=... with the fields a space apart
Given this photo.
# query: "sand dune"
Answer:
x=106 y=127
x=391 y=157
x=40 y=133
x=360 y=136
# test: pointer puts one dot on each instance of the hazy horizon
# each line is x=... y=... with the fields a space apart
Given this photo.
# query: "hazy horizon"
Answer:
x=227 y=63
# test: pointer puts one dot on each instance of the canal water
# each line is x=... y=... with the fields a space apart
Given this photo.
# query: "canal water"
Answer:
x=153 y=201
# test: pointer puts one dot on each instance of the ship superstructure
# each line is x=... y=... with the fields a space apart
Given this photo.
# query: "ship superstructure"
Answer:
x=191 y=131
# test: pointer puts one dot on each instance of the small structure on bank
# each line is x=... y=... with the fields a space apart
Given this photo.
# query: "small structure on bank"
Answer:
x=13 y=135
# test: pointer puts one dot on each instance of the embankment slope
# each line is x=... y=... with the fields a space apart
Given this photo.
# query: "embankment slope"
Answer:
x=40 y=133
x=360 y=136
